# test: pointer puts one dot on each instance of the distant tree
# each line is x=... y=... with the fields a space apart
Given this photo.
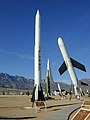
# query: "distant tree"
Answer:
x=27 y=93
x=3 y=93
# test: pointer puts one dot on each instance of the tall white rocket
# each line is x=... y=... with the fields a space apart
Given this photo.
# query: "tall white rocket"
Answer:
x=37 y=55
x=69 y=65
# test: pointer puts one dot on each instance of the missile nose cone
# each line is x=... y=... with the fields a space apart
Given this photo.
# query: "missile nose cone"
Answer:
x=59 y=41
x=38 y=13
x=37 y=18
x=48 y=65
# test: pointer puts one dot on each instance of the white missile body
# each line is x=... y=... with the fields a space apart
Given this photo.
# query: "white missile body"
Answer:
x=59 y=88
x=81 y=91
x=37 y=55
x=48 y=79
x=69 y=63
x=48 y=65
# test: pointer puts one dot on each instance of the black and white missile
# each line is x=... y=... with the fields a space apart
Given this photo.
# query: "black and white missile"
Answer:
x=48 y=79
x=69 y=65
x=37 y=58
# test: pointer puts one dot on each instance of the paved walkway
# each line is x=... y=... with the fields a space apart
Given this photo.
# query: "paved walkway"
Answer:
x=63 y=113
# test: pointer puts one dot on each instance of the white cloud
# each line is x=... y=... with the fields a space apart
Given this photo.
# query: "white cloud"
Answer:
x=21 y=56
x=53 y=64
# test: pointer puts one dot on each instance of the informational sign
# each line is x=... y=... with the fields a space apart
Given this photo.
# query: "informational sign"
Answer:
x=87 y=102
x=82 y=114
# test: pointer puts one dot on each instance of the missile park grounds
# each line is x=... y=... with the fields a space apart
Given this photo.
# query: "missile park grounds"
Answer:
x=20 y=106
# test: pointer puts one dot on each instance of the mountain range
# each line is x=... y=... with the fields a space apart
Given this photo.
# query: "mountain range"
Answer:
x=19 y=82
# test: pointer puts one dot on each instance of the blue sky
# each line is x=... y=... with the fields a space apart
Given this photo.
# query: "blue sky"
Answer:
x=69 y=19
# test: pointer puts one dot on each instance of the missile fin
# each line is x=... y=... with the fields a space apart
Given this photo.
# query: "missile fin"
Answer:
x=83 y=83
x=33 y=95
x=78 y=65
x=63 y=68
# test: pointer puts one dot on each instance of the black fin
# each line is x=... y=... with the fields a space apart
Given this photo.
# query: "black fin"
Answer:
x=63 y=68
x=33 y=95
x=78 y=65
x=83 y=83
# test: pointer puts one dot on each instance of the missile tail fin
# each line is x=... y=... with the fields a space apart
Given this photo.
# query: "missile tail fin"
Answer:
x=33 y=95
x=78 y=65
x=62 y=68
x=83 y=83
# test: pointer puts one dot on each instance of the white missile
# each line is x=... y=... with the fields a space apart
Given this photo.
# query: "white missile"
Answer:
x=37 y=55
x=48 y=79
x=69 y=64
x=59 y=88
x=48 y=65
x=37 y=93
x=81 y=92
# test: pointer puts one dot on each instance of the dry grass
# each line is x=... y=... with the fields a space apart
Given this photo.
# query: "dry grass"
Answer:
x=13 y=106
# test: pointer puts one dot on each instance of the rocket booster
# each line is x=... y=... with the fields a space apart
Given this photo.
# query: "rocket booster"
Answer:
x=37 y=55
x=69 y=64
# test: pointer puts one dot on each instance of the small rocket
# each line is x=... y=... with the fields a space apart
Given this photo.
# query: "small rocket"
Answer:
x=59 y=88
x=48 y=79
x=38 y=92
x=69 y=65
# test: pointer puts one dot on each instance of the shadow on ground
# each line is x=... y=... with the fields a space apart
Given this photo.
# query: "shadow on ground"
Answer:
x=15 y=118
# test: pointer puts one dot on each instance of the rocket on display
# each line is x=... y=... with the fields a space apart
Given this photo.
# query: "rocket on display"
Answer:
x=69 y=65
x=48 y=79
x=59 y=88
x=37 y=55
x=38 y=92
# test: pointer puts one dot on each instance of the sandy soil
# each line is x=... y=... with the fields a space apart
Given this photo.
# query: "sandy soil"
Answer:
x=19 y=106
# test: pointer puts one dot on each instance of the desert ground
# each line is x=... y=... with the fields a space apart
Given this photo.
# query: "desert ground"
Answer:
x=20 y=106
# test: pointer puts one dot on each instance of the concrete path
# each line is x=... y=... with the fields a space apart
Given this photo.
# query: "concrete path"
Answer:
x=63 y=113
